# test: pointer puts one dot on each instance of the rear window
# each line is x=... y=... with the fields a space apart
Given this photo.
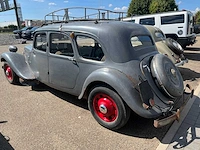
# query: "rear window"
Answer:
x=141 y=41
x=172 y=19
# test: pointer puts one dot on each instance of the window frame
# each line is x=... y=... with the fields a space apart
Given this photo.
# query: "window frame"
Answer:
x=61 y=54
x=92 y=53
x=35 y=46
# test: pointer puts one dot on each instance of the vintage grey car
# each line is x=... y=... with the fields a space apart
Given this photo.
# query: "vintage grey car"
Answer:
x=167 y=46
x=114 y=65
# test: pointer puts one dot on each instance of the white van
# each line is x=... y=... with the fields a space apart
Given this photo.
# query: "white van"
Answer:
x=178 y=25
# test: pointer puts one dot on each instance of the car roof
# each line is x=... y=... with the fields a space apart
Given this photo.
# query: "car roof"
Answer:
x=114 y=35
x=96 y=26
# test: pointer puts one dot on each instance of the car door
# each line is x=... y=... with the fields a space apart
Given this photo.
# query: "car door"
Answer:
x=63 y=68
x=38 y=58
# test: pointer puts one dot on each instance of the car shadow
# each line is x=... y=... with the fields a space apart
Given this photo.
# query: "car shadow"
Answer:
x=192 y=56
x=140 y=127
x=188 y=131
x=62 y=95
x=188 y=74
x=192 y=48
x=4 y=140
x=136 y=126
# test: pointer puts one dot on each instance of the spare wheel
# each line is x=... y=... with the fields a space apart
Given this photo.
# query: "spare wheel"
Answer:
x=167 y=76
x=174 y=46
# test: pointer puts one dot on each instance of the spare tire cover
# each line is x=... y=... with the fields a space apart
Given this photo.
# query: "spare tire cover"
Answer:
x=174 y=46
x=168 y=77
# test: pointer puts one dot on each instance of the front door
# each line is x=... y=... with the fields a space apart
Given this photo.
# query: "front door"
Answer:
x=38 y=60
x=63 y=68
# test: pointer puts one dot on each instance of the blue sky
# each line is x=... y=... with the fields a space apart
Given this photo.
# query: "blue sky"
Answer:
x=37 y=9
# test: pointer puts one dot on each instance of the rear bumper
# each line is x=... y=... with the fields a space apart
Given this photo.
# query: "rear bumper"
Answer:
x=174 y=115
x=182 y=62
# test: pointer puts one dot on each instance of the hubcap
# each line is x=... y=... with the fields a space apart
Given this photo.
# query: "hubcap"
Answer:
x=105 y=107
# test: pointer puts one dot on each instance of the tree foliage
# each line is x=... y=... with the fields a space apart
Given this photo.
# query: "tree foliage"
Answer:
x=141 y=7
x=138 y=7
x=197 y=18
x=157 y=6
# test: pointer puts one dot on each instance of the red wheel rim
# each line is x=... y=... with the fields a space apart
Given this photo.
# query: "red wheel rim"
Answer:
x=105 y=107
x=8 y=72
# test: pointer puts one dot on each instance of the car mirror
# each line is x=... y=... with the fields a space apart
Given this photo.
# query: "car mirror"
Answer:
x=13 y=48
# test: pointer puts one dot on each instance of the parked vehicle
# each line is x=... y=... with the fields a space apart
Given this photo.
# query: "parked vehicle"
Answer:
x=27 y=34
x=113 y=64
x=19 y=32
x=178 y=25
x=167 y=46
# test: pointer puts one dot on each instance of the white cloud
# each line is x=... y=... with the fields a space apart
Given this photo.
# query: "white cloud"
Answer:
x=179 y=2
x=38 y=0
x=66 y=1
x=110 y=5
x=102 y=7
x=52 y=4
x=124 y=8
x=196 y=10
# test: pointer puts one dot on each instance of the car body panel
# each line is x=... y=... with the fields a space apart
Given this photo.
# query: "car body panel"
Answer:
x=163 y=48
x=17 y=62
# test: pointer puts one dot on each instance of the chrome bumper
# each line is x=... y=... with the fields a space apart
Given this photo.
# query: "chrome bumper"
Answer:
x=175 y=114
x=181 y=63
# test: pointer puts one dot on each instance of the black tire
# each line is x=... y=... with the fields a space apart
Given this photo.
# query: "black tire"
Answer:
x=174 y=46
x=167 y=76
x=108 y=108
x=10 y=74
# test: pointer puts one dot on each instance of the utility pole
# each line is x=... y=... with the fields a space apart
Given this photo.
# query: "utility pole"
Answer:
x=17 y=16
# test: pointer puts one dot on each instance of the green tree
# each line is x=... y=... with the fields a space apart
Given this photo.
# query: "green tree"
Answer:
x=157 y=6
x=138 y=7
x=197 y=18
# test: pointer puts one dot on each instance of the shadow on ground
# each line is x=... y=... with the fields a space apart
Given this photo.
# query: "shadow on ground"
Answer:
x=192 y=56
x=189 y=130
x=136 y=126
x=192 y=48
x=189 y=74
x=4 y=144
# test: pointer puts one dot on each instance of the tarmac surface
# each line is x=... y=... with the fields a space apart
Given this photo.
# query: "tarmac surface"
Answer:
x=49 y=119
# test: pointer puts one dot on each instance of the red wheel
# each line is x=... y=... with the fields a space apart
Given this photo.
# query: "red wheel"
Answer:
x=108 y=108
x=10 y=74
x=105 y=107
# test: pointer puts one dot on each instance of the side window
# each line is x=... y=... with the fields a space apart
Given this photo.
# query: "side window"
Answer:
x=40 y=42
x=89 y=48
x=60 y=44
x=147 y=21
x=172 y=19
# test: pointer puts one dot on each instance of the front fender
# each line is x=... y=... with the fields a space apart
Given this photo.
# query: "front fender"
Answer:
x=124 y=87
x=18 y=65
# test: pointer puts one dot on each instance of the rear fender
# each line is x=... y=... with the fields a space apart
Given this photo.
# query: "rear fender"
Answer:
x=18 y=65
x=124 y=87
